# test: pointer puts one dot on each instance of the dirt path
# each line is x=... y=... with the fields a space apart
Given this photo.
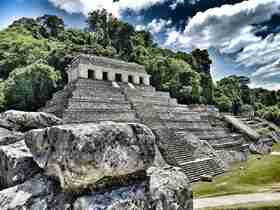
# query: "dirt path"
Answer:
x=275 y=153
x=235 y=199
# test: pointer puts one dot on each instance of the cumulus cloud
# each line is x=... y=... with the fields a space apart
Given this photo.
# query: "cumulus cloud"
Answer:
x=231 y=30
x=155 y=26
x=85 y=6
x=176 y=3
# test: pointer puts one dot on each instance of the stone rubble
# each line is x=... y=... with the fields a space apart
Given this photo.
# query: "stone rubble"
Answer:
x=24 y=121
x=105 y=166
x=16 y=164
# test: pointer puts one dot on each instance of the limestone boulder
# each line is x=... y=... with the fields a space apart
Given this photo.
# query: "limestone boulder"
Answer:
x=37 y=193
x=262 y=146
x=132 y=197
x=16 y=164
x=169 y=188
x=233 y=156
x=9 y=137
x=206 y=178
x=164 y=189
x=24 y=121
x=81 y=155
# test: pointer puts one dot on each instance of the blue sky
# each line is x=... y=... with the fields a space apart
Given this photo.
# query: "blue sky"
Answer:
x=243 y=37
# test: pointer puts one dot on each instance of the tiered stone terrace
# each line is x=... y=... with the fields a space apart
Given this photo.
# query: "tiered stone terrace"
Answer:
x=89 y=100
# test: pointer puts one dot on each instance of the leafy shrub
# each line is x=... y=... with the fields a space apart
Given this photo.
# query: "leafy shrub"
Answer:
x=30 y=87
x=224 y=103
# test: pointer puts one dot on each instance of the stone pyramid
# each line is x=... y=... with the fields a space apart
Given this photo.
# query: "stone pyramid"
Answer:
x=103 y=89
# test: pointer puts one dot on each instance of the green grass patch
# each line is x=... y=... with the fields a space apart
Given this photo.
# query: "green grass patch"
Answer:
x=276 y=148
x=253 y=206
x=258 y=174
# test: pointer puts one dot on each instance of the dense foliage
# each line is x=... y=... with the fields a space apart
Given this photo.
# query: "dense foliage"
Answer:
x=266 y=103
x=29 y=87
x=43 y=47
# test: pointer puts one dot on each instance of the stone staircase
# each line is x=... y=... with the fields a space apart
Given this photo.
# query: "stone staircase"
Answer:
x=195 y=169
x=180 y=155
x=159 y=111
x=95 y=101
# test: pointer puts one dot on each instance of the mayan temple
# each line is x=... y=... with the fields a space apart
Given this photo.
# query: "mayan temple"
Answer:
x=103 y=89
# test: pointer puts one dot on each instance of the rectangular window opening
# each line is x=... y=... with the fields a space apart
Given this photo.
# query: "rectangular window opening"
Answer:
x=141 y=80
x=130 y=79
x=105 y=76
x=118 y=78
x=91 y=74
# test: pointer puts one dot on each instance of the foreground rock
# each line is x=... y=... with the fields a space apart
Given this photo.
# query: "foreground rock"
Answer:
x=9 y=137
x=166 y=189
x=36 y=194
x=106 y=166
x=163 y=189
x=169 y=189
x=24 y=121
x=16 y=164
x=80 y=156
x=261 y=147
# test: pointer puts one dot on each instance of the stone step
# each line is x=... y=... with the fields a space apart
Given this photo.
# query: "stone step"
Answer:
x=181 y=158
x=251 y=122
x=179 y=150
x=163 y=108
x=259 y=125
x=180 y=117
x=80 y=104
x=189 y=125
x=80 y=93
x=176 y=154
x=137 y=92
x=137 y=88
x=195 y=169
x=83 y=116
x=152 y=100
x=92 y=83
x=173 y=109
x=227 y=145
x=224 y=140
x=202 y=131
x=219 y=136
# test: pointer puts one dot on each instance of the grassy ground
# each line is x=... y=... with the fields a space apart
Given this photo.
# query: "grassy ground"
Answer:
x=258 y=174
x=276 y=148
x=262 y=206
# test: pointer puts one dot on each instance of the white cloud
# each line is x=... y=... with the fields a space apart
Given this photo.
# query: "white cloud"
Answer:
x=175 y=4
x=266 y=85
x=155 y=26
x=230 y=29
x=85 y=6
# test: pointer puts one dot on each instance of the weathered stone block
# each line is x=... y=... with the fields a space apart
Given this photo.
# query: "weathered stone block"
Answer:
x=166 y=189
x=24 y=121
x=37 y=193
x=81 y=155
x=9 y=137
x=169 y=189
x=16 y=164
